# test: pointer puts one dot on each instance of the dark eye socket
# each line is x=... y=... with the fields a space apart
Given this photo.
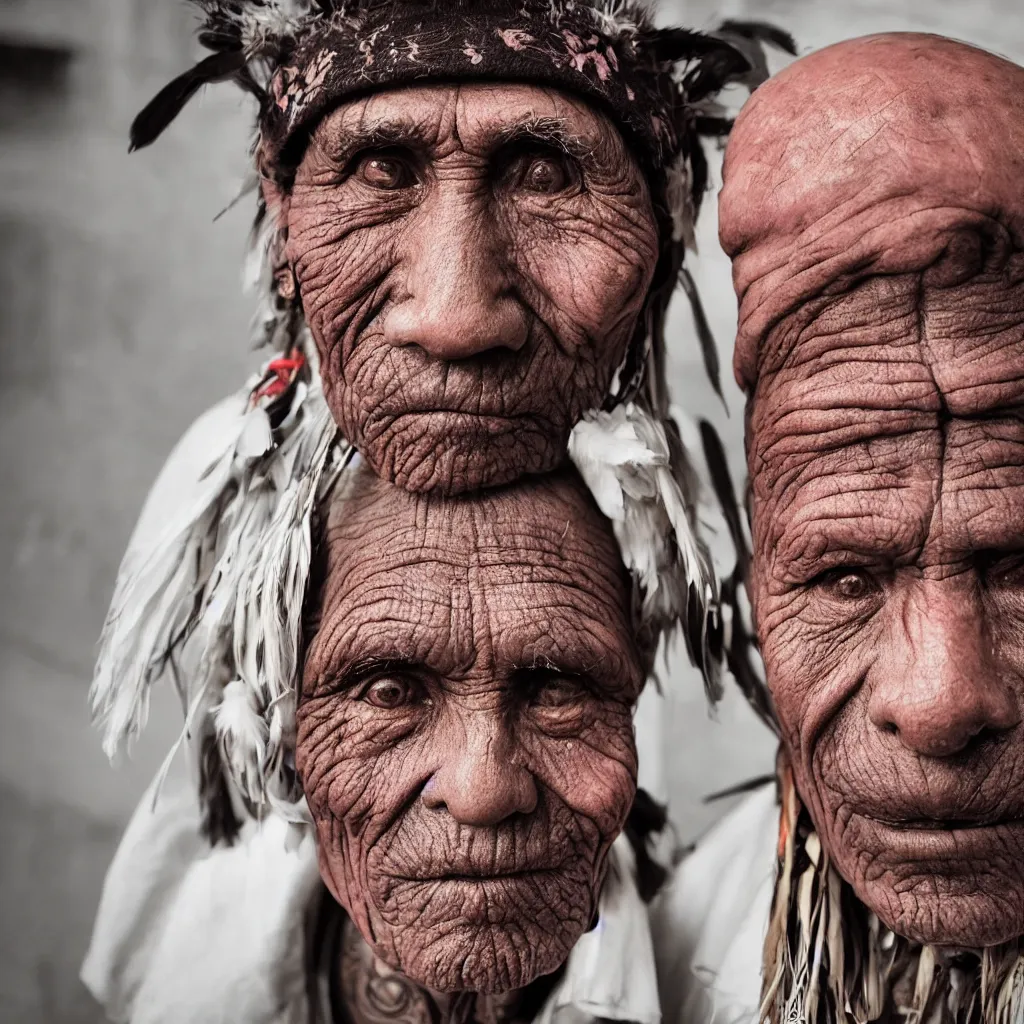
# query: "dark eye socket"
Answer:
x=552 y=689
x=543 y=172
x=385 y=169
x=846 y=583
x=1004 y=569
x=389 y=692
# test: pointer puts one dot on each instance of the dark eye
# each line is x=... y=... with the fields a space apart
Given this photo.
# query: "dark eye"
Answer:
x=544 y=173
x=1004 y=570
x=847 y=584
x=557 y=691
x=386 y=171
x=390 y=692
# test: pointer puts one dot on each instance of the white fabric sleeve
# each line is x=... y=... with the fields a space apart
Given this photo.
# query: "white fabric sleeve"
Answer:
x=710 y=921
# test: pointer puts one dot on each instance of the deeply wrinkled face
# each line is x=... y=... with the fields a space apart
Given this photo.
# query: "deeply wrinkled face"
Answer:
x=873 y=210
x=471 y=261
x=465 y=732
x=888 y=459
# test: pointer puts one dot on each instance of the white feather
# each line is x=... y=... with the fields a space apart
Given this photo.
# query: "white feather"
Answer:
x=228 y=571
x=162 y=574
x=679 y=195
x=274 y=20
x=272 y=587
x=617 y=18
x=624 y=458
x=242 y=732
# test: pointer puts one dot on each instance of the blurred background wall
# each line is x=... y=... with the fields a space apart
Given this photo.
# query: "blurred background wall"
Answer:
x=122 y=318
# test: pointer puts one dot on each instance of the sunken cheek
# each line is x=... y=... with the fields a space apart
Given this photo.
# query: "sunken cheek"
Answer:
x=341 y=250
x=816 y=649
x=589 y=760
x=591 y=264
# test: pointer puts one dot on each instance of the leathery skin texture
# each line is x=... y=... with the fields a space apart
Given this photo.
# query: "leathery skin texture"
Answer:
x=472 y=261
x=874 y=211
x=465 y=732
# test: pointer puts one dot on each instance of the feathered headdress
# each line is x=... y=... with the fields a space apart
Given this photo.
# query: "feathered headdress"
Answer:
x=224 y=579
x=301 y=58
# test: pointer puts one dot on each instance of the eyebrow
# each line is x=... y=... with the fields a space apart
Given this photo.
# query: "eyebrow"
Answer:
x=580 y=655
x=839 y=543
x=548 y=131
x=382 y=133
x=379 y=133
x=341 y=674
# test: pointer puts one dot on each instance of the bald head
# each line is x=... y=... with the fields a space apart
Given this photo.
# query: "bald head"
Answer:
x=874 y=213
x=896 y=153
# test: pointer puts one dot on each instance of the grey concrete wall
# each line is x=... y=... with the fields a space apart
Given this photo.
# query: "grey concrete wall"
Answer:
x=122 y=319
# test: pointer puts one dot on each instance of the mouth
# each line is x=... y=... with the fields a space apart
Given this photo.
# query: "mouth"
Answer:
x=957 y=842
x=472 y=874
x=504 y=876
x=945 y=824
x=478 y=417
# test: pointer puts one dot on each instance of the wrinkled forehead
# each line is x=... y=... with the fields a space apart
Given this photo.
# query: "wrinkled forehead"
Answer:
x=478 y=116
x=876 y=156
x=881 y=366
x=536 y=551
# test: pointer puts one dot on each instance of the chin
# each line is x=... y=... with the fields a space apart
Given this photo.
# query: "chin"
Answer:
x=933 y=912
x=462 y=453
x=950 y=886
x=488 y=936
x=491 y=960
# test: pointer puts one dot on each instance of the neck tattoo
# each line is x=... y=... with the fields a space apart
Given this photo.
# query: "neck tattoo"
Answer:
x=372 y=993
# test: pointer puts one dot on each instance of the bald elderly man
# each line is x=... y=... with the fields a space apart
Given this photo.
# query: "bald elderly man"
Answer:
x=874 y=212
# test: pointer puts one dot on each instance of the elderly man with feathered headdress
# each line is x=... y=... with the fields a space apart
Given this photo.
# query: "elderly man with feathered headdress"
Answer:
x=472 y=218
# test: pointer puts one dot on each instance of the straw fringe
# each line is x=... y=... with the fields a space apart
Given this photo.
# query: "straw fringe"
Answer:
x=829 y=960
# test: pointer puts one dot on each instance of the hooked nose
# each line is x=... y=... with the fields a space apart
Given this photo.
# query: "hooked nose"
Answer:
x=943 y=688
x=457 y=301
x=480 y=781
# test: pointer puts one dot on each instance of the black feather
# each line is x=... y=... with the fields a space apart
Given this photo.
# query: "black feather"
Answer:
x=708 y=348
x=671 y=45
x=750 y=38
x=725 y=492
x=221 y=39
x=647 y=819
x=171 y=99
x=742 y=787
x=726 y=63
x=742 y=643
x=739 y=655
x=713 y=127
x=219 y=823
x=761 y=32
x=698 y=170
